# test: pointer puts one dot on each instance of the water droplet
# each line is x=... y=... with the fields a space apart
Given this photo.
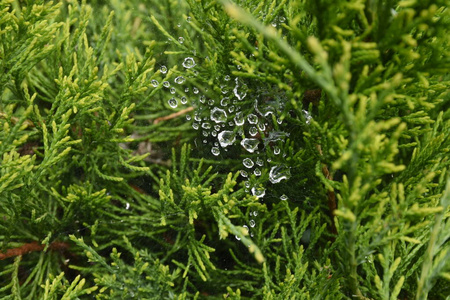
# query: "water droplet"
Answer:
x=166 y=84
x=255 y=213
x=244 y=174
x=214 y=134
x=181 y=40
x=248 y=163
x=259 y=162
x=261 y=126
x=252 y=119
x=282 y=19
x=188 y=19
x=252 y=223
x=225 y=101
x=253 y=131
x=195 y=126
x=278 y=173
x=238 y=238
x=206 y=125
x=274 y=24
x=173 y=102
x=224 y=90
x=307 y=116
x=127 y=206
x=163 y=69
x=178 y=25
x=202 y=99
x=276 y=150
x=195 y=90
x=259 y=192
x=240 y=90
x=186 y=90
x=257 y=172
x=239 y=119
x=189 y=63
x=226 y=138
x=154 y=82
x=250 y=144
x=183 y=100
x=210 y=102
x=188 y=117
x=227 y=77
x=231 y=108
x=215 y=151
x=283 y=197
x=180 y=80
x=217 y=127
x=218 y=115
x=173 y=90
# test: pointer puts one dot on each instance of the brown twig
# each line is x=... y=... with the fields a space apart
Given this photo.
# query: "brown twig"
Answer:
x=32 y=247
x=172 y=116
x=331 y=196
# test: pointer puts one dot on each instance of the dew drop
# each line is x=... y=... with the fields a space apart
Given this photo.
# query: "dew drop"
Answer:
x=240 y=90
x=195 y=90
x=186 y=90
x=226 y=138
x=127 y=206
x=166 y=84
x=154 y=82
x=252 y=119
x=259 y=192
x=215 y=151
x=183 y=100
x=248 y=163
x=163 y=69
x=188 y=117
x=244 y=174
x=180 y=80
x=252 y=223
x=210 y=102
x=253 y=131
x=250 y=144
x=276 y=150
x=231 y=108
x=173 y=90
x=189 y=63
x=283 y=197
x=218 y=115
x=173 y=102
x=227 y=77
x=195 y=126
x=225 y=101
x=188 y=19
x=307 y=116
x=278 y=173
x=259 y=162
x=257 y=172
x=239 y=119
x=181 y=40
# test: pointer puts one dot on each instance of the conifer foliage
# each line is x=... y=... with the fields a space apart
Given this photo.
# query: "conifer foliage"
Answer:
x=193 y=149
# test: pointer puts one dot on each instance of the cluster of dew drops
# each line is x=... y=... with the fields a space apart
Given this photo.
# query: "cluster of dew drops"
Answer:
x=225 y=123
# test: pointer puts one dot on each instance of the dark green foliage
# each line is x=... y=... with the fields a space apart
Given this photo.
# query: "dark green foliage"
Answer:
x=285 y=149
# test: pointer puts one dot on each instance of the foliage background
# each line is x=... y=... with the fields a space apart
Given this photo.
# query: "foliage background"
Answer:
x=352 y=104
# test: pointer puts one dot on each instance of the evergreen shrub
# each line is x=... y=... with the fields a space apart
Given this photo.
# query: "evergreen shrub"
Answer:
x=194 y=149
